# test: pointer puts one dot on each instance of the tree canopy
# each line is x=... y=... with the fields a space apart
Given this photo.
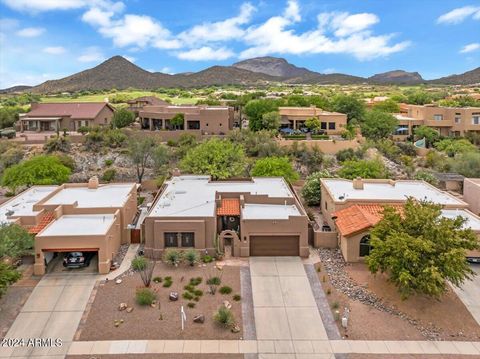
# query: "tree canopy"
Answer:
x=255 y=109
x=274 y=167
x=270 y=120
x=311 y=191
x=378 y=124
x=352 y=169
x=453 y=146
x=122 y=118
x=15 y=241
x=220 y=159
x=39 y=170
x=388 y=105
x=350 y=105
x=140 y=152
x=177 y=120
x=467 y=164
x=431 y=135
x=313 y=124
x=421 y=250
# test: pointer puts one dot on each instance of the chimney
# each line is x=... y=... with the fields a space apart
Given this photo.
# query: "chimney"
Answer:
x=176 y=172
x=358 y=183
x=93 y=183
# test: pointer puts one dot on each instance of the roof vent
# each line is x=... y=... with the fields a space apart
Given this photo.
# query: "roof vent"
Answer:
x=93 y=183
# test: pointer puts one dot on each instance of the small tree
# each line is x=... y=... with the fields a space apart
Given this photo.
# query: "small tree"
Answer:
x=421 y=250
x=218 y=158
x=122 y=118
x=177 y=120
x=39 y=170
x=431 y=135
x=15 y=241
x=57 y=144
x=388 y=105
x=311 y=191
x=467 y=164
x=313 y=124
x=140 y=152
x=377 y=125
x=270 y=120
x=275 y=167
x=146 y=273
x=364 y=169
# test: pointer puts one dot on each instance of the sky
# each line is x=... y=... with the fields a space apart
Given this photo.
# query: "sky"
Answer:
x=48 y=39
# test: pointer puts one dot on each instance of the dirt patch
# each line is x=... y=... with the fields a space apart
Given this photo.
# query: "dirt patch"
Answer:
x=163 y=322
x=158 y=356
x=448 y=314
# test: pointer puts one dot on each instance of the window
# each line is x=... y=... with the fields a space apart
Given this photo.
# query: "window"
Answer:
x=476 y=118
x=331 y=125
x=171 y=239
x=326 y=207
x=188 y=239
x=438 y=117
x=458 y=118
x=365 y=246
x=402 y=130
x=323 y=125
x=106 y=120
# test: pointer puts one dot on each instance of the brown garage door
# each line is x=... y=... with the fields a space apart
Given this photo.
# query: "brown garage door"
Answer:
x=274 y=246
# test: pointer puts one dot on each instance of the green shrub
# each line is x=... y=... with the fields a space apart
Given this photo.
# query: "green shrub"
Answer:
x=172 y=256
x=57 y=144
x=335 y=305
x=191 y=305
x=225 y=290
x=168 y=278
x=237 y=297
x=108 y=162
x=189 y=288
x=139 y=263
x=83 y=130
x=167 y=283
x=214 y=281
x=187 y=296
x=109 y=175
x=157 y=279
x=191 y=256
x=8 y=275
x=145 y=296
x=171 y=143
x=66 y=160
x=207 y=259
x=224 y=317
x=195 y=281
x=198 y=292
x=196 y=299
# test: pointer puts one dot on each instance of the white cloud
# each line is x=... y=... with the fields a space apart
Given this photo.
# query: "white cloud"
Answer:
x=292 y=11
x=30 y=32
x=351 y=35
x=329 y=70
x=54 y=50
x=97 y=17
x=458 y=15
x=50 y=5
x=92 y=54
x=166 y=70
x=206 y=53
x=129 y=58
x=470 y=48
x=219 y=31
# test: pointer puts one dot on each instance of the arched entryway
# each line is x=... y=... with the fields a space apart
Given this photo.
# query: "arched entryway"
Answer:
x=227 y=240
x=365 y=246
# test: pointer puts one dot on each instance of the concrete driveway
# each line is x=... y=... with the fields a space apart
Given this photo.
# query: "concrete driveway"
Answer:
x=470 y=293
x=53 y=310
x=284 y=305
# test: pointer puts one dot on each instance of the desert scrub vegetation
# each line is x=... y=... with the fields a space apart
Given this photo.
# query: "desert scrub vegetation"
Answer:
x=145 y=296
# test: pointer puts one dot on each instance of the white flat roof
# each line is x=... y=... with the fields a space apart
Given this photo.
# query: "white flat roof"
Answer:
x=343 y=190
x=472 y=222
x=22 y=204
x=79 y=225
x=109 y=195
x=269 y=211
x=191 y=196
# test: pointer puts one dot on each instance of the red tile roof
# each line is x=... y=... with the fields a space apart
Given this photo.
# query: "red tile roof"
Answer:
x=83 y=110
x=44 y=221
x=229 y=207
x=358 y=218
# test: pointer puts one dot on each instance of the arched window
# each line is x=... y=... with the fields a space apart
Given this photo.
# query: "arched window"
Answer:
x=365 y=246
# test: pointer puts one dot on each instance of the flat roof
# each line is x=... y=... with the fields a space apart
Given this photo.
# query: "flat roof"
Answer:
x=79 y=225
x=472 y=221
x=22 y=204
x=192 y=196
x=342 y=190
x=269 y=211
x=108 y=195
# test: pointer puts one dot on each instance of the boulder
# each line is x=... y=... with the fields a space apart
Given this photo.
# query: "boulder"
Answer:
x=122 y=306
x=118 y=281
x=129 y=309
x=227 y=304
x=173 y=296
x=200 y=318
x=235 y=329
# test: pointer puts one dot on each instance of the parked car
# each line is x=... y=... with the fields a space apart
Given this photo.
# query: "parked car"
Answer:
x=77 y=259
x=7 y=133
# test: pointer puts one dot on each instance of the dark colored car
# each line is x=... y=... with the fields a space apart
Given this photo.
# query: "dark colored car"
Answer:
x=77 y=259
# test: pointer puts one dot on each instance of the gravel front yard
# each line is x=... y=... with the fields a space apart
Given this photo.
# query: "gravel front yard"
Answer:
x=162 y=321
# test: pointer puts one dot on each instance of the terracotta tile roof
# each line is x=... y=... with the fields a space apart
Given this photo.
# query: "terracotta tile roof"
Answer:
x=44 y=221
x=359 y=217
x=229 y=207
x=73 y=109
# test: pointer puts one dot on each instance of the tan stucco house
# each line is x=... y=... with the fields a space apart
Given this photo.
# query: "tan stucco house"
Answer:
x=89 y=217
x=256 y=217
x=351 y=208
x=331 y=123
x=66 y=116
x=471 y=194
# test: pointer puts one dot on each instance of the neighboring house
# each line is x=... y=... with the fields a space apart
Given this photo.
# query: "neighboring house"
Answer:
x=202 y=119
x=331 y=123
x=448 y=121
x=66 y=116
x=471 y=194
x=257 y=217
x=352 y=208
x=136 y=105
x=87 y=217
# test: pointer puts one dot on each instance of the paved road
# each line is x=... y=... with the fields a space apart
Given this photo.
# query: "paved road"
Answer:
x=53 y=310
x=284 y=305
x=470 y=293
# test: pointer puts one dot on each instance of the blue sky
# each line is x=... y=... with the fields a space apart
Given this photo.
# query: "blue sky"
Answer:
x=47 y=39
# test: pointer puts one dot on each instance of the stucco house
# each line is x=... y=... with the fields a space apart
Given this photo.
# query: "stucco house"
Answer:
x=256 y=217
x=66 y=116
x=88 y=217
x=331 y=123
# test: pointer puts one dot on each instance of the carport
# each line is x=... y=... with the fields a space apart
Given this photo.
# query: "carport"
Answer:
x=79 y=233
x=54 y=260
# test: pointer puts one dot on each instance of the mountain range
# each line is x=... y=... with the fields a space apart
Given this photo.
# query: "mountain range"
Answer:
x=119 y=73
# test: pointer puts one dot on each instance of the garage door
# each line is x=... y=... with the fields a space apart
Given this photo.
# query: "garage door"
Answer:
x=274 y=245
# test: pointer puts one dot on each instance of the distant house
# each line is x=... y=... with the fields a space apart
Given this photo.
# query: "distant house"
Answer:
x=69 y=116
x=331 y=123
x=137 y=104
